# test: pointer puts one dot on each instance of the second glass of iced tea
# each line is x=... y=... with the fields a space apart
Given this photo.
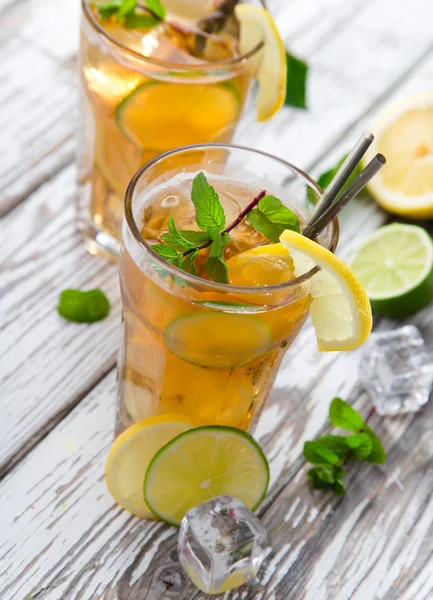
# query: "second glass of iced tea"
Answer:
x=142 y=93
x=206 y=350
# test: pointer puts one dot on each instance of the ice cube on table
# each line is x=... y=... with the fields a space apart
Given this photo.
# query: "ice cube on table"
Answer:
x=221 y=545
x=397 y=370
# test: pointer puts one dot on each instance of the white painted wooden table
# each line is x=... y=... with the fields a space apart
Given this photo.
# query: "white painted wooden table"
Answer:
x=62 y=537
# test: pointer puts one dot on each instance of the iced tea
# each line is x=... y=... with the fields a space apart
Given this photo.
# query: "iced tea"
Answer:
x=191 y=346
x=144 y=92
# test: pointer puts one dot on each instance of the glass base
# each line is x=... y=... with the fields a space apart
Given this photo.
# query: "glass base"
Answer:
x=99 y=242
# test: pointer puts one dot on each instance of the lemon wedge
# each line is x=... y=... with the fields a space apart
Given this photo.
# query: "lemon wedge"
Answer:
x=131 y=454
x=270 y=66
x=340 y=309
x=404 y=134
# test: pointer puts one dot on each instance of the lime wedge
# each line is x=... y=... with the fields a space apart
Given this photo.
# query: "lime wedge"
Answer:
x=201 y=464
x=160 y=115
x=216 y=339
x=395 y=265
x=130 y=456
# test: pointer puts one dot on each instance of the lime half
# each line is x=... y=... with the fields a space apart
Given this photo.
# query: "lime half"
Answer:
x=161 y=115
x=395 y=265
x=201 y=464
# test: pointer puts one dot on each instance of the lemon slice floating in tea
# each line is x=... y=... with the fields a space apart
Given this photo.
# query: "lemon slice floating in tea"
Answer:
x=160 y=115
x=404 y=134
x=395 y=264
x=130 y=456
x=264 y=265
x=270 y=65
x=340 y=309
x=201 y=464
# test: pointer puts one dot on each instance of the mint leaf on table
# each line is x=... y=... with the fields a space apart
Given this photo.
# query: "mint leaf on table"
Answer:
x=209 y=212
x=83 y=307
x=326 y=178
x=271 y=218
x=377 y=454
x=327 y=477
x=215 y=264
x=361 y=444
x=318 y=453
x=336 y=443
x=343 y=415
x=126 y=8
x=297 y=71
x=330 y=452
x=156 y=7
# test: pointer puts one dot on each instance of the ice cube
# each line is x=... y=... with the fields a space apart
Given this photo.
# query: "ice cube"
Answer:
x=397 y=370
x=221 y=545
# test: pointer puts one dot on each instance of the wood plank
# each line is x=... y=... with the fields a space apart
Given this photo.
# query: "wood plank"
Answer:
x=47 y=364
x=37 y=120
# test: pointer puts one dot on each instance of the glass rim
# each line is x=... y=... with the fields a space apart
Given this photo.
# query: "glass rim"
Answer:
x=195 y=279
x=209 y=66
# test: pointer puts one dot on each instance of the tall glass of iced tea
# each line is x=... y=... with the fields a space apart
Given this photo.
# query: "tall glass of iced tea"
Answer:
x=192 y=346
x=144 y=91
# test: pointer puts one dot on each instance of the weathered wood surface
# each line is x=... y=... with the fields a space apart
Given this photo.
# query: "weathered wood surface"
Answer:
x=65 y=538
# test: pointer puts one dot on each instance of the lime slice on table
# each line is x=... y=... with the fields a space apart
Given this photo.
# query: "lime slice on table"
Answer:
x=404 y=134
x=340 y=309
x=160 y=115
x=395 y=264
x=201 y=464
x=214 y=339
x=270 y=65
x=130 y=456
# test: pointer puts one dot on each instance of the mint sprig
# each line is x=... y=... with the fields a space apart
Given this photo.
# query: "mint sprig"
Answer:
x=83 y=307
x=152 y=13
x=265 y=213
x=330 y=452
x=209 y=212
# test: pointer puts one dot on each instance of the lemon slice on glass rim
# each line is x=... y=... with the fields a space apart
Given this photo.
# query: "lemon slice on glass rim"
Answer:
x=404 y=134
x=340 y=309
x=270 y=65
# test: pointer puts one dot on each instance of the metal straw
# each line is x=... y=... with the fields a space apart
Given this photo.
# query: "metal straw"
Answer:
x=342 y=175
x=315 y=227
